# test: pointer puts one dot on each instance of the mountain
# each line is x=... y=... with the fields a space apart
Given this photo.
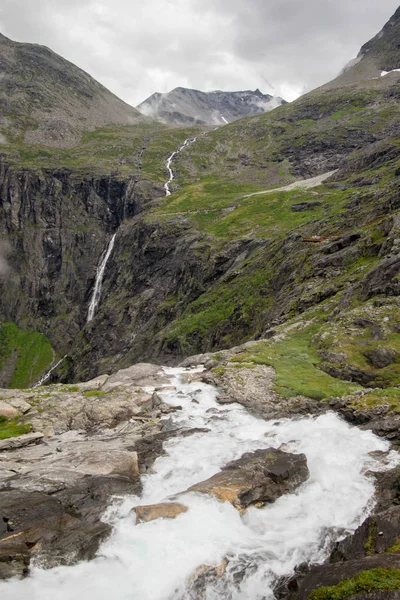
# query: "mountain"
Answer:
x=232 y=253
x=183 y=106
x=276 y=257
x=48 y=100
x=378 y=57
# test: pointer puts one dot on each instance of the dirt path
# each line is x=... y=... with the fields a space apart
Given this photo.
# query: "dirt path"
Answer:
x=301 y=183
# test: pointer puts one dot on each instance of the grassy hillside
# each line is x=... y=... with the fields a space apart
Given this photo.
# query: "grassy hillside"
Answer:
x=24 y=356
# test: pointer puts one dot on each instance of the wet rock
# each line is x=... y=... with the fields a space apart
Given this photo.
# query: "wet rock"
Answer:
x=256 y=478
x=42 y=524
x=163 y=510
x=378 y=534
x=330 y=575
x=381 y=357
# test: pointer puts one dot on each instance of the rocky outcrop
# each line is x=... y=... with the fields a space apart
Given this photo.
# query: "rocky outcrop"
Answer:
x=91 y=442
x=256 y=478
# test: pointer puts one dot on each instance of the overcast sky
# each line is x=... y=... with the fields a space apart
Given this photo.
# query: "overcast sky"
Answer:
x=137 y=47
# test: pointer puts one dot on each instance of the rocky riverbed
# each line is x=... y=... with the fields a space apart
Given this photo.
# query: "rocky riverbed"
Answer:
x=95 y=442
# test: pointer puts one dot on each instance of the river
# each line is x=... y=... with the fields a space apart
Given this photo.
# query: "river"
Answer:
x=154 y=561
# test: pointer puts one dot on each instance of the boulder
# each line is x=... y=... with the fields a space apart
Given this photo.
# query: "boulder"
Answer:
x=256 y=478
x=164 y=510
x=8 y=411
x=381 y=357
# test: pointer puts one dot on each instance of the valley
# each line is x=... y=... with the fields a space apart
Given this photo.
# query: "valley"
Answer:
x=258 y=259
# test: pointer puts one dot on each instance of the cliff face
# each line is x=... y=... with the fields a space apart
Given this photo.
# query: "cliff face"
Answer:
x=55 y=227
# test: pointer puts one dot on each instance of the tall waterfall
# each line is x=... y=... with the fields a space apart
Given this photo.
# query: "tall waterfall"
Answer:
x=94 y=302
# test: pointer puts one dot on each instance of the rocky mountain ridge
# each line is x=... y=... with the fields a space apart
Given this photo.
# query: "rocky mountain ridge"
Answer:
x=184 y=106
x=47 y=100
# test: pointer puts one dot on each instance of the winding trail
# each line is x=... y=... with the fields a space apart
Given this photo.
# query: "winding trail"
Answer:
x=185 y=144
x=300 y=184
x=155 y=560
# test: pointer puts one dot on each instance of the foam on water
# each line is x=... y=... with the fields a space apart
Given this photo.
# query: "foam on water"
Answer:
x=153 y=561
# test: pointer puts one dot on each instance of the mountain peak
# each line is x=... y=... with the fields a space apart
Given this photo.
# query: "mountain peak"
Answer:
x=184 y=106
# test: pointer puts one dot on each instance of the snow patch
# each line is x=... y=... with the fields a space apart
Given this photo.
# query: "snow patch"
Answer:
x=384 y=73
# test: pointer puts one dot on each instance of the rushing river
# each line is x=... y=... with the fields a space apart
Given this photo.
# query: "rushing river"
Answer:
x=153 y=561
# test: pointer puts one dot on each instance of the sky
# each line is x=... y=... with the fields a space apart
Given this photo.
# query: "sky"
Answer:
x=138 y=47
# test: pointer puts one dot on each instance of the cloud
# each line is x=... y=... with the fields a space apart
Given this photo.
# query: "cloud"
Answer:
x=136 y=48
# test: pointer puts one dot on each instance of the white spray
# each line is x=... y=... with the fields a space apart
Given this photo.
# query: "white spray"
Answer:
x=94 y=302
x=154 y=561
x=46 y=376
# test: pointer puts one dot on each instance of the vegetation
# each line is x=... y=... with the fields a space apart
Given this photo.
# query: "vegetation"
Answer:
x=366 y=581
x=91 y=393
x=121 y=150
x=26 y=354
x=296 y=364
x=11 y=428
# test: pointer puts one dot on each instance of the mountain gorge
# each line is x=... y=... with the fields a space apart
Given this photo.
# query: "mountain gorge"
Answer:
x=274 y=262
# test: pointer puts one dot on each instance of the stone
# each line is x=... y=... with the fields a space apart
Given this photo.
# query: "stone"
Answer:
x=21 y=441
x=381 y=357
x=331 y=575
x=108 y=462
x=164 y=510
x=8 y=411
x=256 y=478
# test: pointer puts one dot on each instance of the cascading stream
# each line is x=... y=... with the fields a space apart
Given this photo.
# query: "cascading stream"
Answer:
x=46 y=376
x=186 y=143
x=154 y=560
x=95 y=299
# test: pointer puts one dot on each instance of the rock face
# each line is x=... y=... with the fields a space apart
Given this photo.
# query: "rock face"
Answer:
x=256 y=478
x=56 y=99
x=182 y=106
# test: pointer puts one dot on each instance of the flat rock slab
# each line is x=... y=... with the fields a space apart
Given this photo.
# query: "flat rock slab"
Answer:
x=256 y=478
x=21 y=441
x=164 y=510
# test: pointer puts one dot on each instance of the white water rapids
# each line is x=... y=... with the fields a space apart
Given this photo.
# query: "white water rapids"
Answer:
x=153 y=561
x=186 y=143
x=94 y=302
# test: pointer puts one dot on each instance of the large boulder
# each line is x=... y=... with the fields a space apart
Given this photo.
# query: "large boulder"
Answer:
x=256 y=478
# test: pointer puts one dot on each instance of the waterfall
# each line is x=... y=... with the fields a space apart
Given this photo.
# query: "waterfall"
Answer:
x=186 y=143
x=155 y=560
x=94 y=302
x=49 y=372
